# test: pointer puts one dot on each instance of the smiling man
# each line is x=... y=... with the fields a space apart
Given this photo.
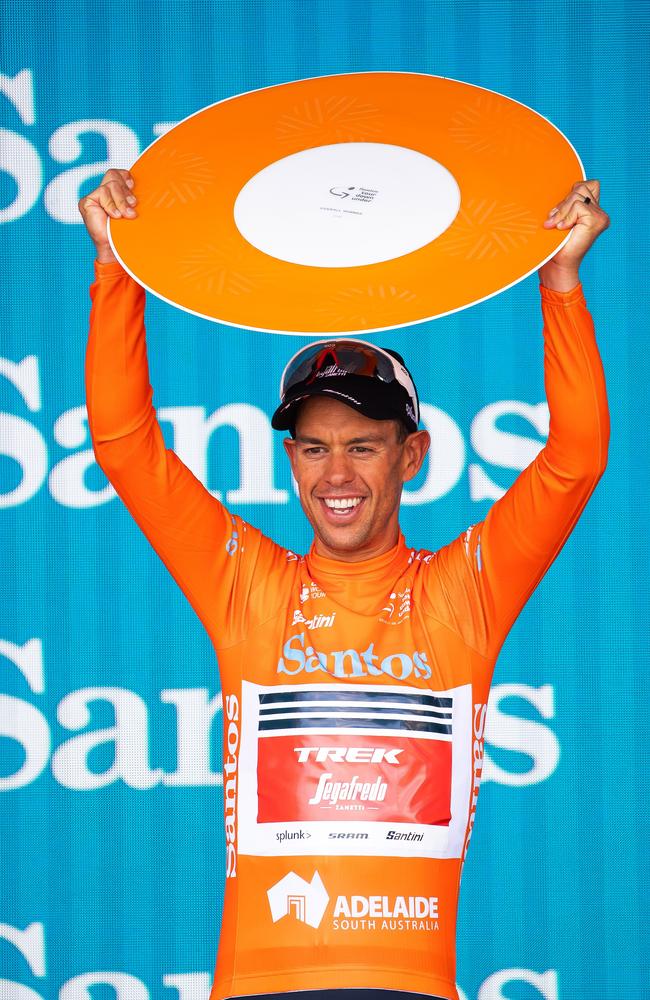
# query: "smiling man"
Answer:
x=355 y=678
x=353 y=411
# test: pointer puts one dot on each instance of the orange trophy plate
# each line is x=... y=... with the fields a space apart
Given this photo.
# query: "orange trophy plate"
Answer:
x=351 y=203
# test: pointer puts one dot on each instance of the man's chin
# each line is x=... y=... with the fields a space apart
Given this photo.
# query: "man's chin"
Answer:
x=343 y=539
x=336 y=540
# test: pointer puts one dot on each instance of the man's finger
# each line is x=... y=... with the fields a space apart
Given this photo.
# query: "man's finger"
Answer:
x=109 y=205
x=115 y=172
x=558 y=214
x=116 y=176
x=122 y=196
x=127 y=177
x=559 y=210
x=589 y=189
x=583 y=189
x=576 y=211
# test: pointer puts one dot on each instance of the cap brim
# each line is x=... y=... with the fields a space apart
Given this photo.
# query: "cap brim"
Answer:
x=284 y=417
x=358 y=394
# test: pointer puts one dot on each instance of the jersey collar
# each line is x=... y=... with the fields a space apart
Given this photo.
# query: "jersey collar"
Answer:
x=359 y=586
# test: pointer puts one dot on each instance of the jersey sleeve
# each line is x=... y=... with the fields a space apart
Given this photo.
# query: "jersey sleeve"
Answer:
x=218 y=560
x=485 y=576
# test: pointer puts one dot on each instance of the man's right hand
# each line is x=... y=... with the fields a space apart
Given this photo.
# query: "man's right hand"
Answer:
x=113 y=197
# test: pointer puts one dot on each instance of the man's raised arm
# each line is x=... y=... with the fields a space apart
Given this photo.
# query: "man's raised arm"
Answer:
x=524 y=530
x=508 y=553
x=191 y=531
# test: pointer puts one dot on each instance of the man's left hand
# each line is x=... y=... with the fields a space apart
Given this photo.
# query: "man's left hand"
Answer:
x=586 y=221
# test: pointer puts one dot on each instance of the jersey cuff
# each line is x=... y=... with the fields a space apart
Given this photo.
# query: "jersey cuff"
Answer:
x=106 y=269
x=576 y=294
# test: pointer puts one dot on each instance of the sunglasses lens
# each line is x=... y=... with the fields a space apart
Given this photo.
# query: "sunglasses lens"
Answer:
x=340 y=358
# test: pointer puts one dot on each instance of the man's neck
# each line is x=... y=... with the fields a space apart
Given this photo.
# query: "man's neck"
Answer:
x=361 y=554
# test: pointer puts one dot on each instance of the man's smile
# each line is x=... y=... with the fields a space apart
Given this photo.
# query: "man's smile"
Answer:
x=341 y=509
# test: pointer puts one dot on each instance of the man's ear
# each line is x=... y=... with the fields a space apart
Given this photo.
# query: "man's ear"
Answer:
x=416 y=447
x=290 y=448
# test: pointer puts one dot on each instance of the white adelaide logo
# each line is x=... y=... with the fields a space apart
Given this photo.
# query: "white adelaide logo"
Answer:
x=307 y=901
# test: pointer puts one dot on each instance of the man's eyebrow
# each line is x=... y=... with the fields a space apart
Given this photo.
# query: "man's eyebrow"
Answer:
x=368 y=439
x=365 y=439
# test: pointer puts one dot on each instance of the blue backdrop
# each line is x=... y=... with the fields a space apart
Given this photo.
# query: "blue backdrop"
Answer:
x=112 y=852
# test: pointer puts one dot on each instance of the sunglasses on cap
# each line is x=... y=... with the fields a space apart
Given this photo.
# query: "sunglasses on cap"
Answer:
x=332 y=358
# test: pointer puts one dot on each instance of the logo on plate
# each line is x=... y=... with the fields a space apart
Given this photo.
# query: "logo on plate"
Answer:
x=361 y=193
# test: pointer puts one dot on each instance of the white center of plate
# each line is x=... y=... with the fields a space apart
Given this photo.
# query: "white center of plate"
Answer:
x=347 y=204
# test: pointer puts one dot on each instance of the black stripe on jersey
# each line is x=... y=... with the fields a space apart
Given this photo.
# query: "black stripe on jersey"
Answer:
x=431 y=700
x=377 y=711
x=336 y=722
x=344 y=994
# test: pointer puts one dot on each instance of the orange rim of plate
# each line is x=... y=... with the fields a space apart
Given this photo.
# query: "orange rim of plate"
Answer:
x=511 y=164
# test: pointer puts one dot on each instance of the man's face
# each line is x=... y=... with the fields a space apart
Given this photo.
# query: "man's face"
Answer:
x=350 y=471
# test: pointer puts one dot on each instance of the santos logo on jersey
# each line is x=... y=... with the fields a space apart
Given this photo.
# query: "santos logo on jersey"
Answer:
x=351 y=663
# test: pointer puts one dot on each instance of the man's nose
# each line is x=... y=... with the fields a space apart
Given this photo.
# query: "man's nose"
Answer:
x=340 y=469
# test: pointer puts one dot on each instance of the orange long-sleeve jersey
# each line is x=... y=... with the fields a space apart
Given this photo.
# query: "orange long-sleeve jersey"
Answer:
x=354 y=693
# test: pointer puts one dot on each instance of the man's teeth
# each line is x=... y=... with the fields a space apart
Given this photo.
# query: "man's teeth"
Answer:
x=342 y=503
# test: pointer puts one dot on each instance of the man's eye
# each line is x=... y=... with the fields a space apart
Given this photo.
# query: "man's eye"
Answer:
x=313 y=451
x=361 y=448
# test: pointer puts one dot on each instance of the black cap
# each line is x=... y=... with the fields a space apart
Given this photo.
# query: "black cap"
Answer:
x=371 y=396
